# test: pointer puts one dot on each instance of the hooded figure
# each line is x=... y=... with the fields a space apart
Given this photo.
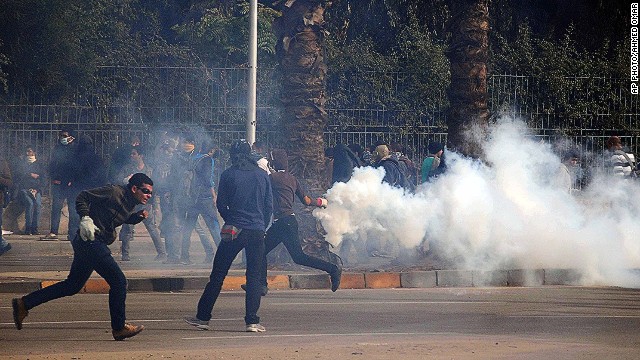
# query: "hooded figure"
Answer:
x=89 y=167
x=344 y=161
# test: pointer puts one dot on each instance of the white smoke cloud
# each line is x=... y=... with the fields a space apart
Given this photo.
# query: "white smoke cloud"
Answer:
x=510 y=214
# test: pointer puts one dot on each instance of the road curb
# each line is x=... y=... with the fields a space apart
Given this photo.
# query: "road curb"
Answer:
x=356 y=280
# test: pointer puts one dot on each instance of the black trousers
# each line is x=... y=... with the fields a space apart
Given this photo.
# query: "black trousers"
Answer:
x=285 y=230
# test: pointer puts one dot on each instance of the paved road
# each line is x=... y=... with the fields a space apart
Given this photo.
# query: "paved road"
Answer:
x=437 y=323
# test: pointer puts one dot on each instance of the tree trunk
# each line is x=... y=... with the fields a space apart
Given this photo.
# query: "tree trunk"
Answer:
x=301 y=54
x=300 y=50
x=468 y=113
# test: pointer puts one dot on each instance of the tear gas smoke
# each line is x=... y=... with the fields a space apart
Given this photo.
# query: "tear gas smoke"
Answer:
x=507 y=213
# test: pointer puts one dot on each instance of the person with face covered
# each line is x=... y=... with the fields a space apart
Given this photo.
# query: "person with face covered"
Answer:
x=61 y=172
x=245 y=202
x=197 y=198
x=284 y=229
x=101 y=209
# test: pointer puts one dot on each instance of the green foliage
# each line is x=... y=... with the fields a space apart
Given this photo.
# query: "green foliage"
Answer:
x=409 y=81
x=567 y=79
x=220 y=38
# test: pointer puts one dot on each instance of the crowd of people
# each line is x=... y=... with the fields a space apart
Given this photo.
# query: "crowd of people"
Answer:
x=251 y=197
x=254 y=198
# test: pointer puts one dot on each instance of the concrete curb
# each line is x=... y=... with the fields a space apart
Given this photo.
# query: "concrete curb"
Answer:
x=363 y=280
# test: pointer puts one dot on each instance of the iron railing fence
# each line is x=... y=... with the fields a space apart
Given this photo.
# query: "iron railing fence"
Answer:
x=363 y=108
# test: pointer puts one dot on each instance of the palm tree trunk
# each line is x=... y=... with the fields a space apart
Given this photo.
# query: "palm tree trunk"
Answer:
x=301 y=53
x=468 y=53
x=300 y=50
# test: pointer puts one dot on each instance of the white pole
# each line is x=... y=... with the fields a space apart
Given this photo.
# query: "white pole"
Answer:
x=253 y=65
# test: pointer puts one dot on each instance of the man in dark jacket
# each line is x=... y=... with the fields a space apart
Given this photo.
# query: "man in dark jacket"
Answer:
x=61 y=172
x=344 y=161
x=245 y=202
x=393 y=175
x=101 y=210
x=194 y=195
x=285 y=226
x=5 y=184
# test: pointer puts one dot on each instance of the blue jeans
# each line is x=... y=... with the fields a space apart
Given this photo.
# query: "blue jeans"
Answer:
x=88 y=256
x=253 y=241
x=32 y=205
x=59 y=193
x=206 y=208
x=169 y=226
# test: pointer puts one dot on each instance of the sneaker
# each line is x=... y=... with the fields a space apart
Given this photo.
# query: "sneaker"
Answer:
x=52 y=236
x=19 y=312
x=5 y=249
x=125 y=258
x=129 y=330
x=199 y=324
x=255 y=328
x=265 y=289
x=160 y=257
x=335 y=279
x=186 y=262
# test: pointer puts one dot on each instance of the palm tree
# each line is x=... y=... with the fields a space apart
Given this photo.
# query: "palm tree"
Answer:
x=468 y=55
x=300 y=51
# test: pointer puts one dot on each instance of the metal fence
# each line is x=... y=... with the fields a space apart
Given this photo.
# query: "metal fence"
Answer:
x=363 y=108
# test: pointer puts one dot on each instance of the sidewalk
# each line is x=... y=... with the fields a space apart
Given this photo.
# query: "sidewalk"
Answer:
x=32 y=264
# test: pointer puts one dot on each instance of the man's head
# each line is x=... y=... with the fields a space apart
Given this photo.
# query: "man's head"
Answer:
x=571 y=158
x=65 y=137
x=137 y=154
x=240 y=147
x=135 y=140
x=435 y=148
x=279 y=160
x=382 y=152
x=614 y=143
x=240 y=154
x=258 y=147
x=30 y=153
x=141 y=187
x=188 y=143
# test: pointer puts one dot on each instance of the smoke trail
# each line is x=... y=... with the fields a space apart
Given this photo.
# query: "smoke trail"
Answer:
x=509 y=214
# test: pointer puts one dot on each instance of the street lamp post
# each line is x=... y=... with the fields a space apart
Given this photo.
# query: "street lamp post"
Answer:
x=253 y=65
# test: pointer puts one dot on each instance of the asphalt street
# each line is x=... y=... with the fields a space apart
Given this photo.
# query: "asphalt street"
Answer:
x=435 y=323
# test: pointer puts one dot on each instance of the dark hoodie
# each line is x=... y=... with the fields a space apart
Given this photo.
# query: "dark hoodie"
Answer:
x=89 y=171
x=244 y=198
x=344 y=161
x=393 y=175
x=62 y=166
x=285 y=186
